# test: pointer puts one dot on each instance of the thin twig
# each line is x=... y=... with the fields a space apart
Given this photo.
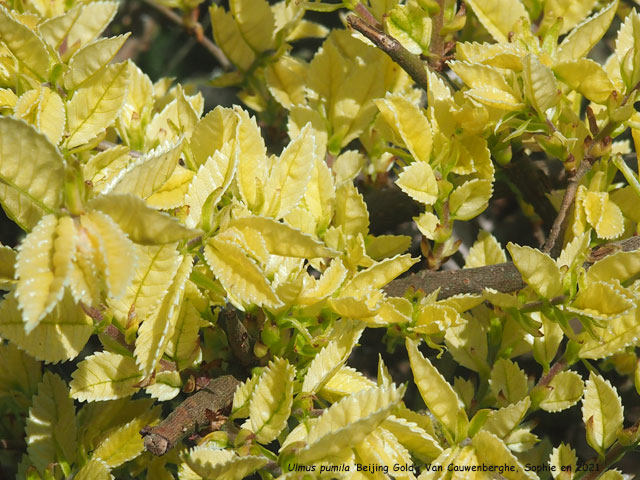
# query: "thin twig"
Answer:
x=195 y=28
x=409 y=62
x=436 y=48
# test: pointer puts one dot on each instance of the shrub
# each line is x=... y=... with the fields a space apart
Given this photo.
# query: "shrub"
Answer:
x=182 y=272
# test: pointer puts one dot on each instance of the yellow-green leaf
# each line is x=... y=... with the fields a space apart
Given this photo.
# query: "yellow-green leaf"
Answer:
x=24 y=44
x=344 y=382
x=286 y=79
x=43 y=108
x=94 y=469
x=438 y=395
x=216 y=464
x=351 y=211
x=255 y=22
x=417 y=440
x=602 y=413
x=492 y=451
x=572 y=12
x=485 y=251
x=538 y=270
x=470 y=199
x=508 y=382
x=51 y=426
x=271 y=401
x=31 y=173
x=503 y=421
x=563 y=456
x=540 y=84
x=564 y=391
x=105 y=376
x=498 y=16
x=618 y=266
x=229 y=38
x=587 y=78
x=142 y=224
x=582 y=38
x=604 y=215
x=419 y=182
x=90 y=59
x=95 y=107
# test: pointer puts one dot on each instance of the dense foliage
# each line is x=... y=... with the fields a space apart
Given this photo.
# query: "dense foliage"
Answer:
x=171 y=255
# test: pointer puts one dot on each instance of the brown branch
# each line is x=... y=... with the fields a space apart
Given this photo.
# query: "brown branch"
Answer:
x=557 y=367
x=409 y=62
x=503 y=277
x=195 y=28
x=191 y=415
x=436 y=48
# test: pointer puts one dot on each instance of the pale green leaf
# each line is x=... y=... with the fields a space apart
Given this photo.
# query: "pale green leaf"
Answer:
x=90 y=59
x=95 y=107
x=157 y=328
x=216 y=129
x=51 y=426
x=347 y=422
x=142 y=224
x=508 y=382
x=572 y=12
x=105 y=376
x=498 y=16
x=242 y=396
x=31 y=173
x=229 y=38
x=485 y=251
x=94 y=469
x=271 y=401
x=60 y=335
x=604 y=215
x=411 y=26
x=351 y=211
x=538 y=270
x=503 y=421
x=438 y=395
x=319 y=196
x=602 y=413
x=20 y=373
x=286 y=79
x=618 y=266
x=617 y=334
x=43 y=108
x=255 y=21
x=185 y=338
x=468 y=344
x=582 y=38
x=564 y=391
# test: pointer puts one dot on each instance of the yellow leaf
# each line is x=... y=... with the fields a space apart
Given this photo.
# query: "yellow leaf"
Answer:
x=158 y=326
x=94 y=107
x=498 y=16
x=94 y=469
x=331 y=358
x=44 y=109
x=344 y=382
x=587 y=78
x=564 y=456
x=411 y=26
x=351 y=211
x=215 y=130
x=436 y=318
x=604 y=215
x=503 y=421
x=417 y=440
x=104 y=376
x=118 y=252
x=438 y=395
x=495 y=97
x=419 y=182
x=582 y=38
x=317 y=289
x=378 y=275
x=602 y=413
x=208 y=462
x=409 y=123
x=564 y=391
x=290 y=174
x=540 y=84
x=618 y=334
x=43 y=265
x=61 y=334
x=281 y=239
x=538 y=270
x=229 y=38
x=31 y=173
x=185 y=338
x=286 y=79
x=24 y=44
x=252 y=160
x=238 y=274
x=492 y=451
x=142 y=224
x=209 y=185
x=154 y=273
x=572 y=12
x=485 y=251
x=427 y=223
x=172 y=193
x=137 y=108
x=508 y=382
x=255 y=22
x=603 y=301
x=320 y=194
x=90 y=59
x=125 y=443
x=146 y=175
x=51 y=426
x=242 y=396
x=467 y=342
x=271 y=401
x=470 y=199
x=347 y=422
